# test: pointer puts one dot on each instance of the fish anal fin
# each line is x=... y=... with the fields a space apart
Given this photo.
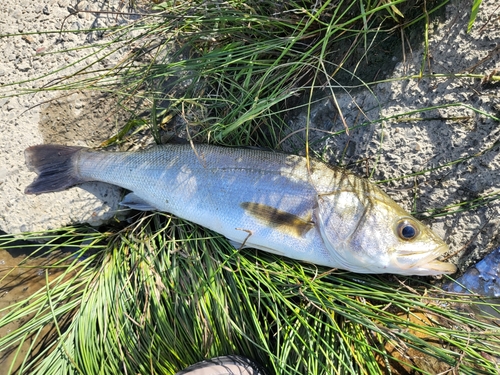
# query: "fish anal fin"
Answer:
x=279 y=219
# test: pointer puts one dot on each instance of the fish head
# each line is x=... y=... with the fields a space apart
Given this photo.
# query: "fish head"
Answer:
x=370 y=233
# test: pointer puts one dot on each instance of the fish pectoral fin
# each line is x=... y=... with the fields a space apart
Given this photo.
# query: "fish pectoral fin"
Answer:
x=279 y=219
x=136 y=203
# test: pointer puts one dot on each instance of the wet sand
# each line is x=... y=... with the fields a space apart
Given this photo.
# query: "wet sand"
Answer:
x=20 y=277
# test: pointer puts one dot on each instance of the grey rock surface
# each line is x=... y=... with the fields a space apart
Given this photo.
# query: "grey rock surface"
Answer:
x=75 y=118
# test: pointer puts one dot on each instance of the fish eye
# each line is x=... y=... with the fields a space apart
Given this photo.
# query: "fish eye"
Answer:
x=407 y=230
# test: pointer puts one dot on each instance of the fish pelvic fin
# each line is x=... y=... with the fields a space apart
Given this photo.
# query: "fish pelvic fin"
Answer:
x=279 y=219
x=55 y=166
x=135 y=202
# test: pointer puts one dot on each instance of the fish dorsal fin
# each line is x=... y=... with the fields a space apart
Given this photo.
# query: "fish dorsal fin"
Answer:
x=279 y=219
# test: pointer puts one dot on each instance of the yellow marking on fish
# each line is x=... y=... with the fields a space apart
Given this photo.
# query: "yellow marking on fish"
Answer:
x=279 y=219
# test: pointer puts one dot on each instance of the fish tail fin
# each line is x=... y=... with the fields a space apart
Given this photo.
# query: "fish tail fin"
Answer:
x=55 y=166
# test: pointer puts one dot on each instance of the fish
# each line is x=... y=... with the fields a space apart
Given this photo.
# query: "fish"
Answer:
x=284 y=204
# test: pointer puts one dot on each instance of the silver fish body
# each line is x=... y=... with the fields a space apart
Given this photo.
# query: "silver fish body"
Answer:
x=280 y=203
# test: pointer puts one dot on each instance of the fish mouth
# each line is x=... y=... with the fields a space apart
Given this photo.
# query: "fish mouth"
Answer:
x=435 y=267
x=429 y=265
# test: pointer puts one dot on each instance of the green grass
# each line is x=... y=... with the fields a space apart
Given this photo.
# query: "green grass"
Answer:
x=160 y=294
